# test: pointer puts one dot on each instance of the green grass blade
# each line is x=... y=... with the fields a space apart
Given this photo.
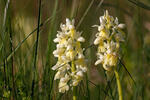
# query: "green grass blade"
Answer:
x=19 y=45
x=36 y=49
x=85 y=13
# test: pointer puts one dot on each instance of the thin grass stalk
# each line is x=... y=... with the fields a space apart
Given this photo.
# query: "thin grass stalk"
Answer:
x=2 y=36
x=99 y=5
x=5 y=13
x=36 y=50
x=51 y=34
x=110 y=90
x=48 y=74
x=5 y=79
x=73 y=8
x=87 y=86
x=90 y=5
x=12 y=71
x=119 y=85
x=98 y=87
x=127 y=71
x=12 y=62
x=140 y=4
x=74 y=87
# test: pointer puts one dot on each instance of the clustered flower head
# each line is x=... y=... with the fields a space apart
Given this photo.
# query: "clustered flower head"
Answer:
x=69 y=54
x=108 y=39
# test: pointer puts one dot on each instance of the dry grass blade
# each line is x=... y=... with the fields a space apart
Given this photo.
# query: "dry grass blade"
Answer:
x=140 y=4
x=100 y=3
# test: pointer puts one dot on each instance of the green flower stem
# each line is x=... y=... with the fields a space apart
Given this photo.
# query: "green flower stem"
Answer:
x=119 y=85
x=74 y=88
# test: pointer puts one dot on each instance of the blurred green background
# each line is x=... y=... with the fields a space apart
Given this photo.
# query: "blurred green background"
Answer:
x=19 y=18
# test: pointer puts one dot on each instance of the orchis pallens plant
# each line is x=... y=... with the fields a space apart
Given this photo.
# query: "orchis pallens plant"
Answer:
x=108 y=40
x=71 y=65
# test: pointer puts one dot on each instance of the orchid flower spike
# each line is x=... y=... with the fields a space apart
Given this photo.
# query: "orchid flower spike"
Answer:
x=69 y=49
x=108 y=40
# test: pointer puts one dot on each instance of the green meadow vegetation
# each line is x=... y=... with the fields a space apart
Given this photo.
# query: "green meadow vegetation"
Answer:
x=28 y=29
